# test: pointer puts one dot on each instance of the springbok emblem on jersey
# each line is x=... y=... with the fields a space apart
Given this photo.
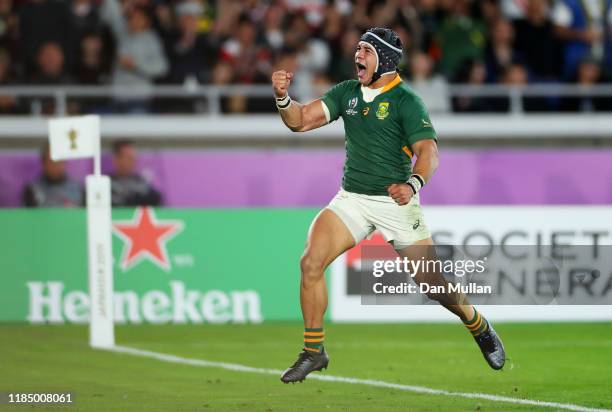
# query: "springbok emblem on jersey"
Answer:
x=383 y=110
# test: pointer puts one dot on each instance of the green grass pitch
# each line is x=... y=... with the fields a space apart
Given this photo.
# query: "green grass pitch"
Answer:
x=557 y=362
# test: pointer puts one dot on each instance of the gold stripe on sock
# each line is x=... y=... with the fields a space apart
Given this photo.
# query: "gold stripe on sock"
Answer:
x=314 y=333
x=476 y=323
x=475 y=319
x=473 y=330
x=483 y=328
x=311 y=349
x=476 y=326
x=313 y=340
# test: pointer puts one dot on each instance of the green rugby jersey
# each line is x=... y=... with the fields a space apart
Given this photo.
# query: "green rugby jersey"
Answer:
x=379 y=134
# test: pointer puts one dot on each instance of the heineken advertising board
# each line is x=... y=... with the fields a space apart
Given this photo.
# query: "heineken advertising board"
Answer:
x=170 y=265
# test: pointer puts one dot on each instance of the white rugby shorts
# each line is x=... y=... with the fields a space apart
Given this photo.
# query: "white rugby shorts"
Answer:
x=402 y=226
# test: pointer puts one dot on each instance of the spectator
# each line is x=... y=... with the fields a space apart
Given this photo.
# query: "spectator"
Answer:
x=42 y=22
x=383 y=14
x=499 y=53
x=429 y=19
x=313 y=54
x=50 y=71
x=223 y=74
x=8 y=104
x=589 y=74
x=273 y=32
x=516 y=75
x=514 y=9
x=251 y=61
x=433 y=89
x=408 y=44
x=490 y=11
x=140 y=55
x=191 y=54
x=128 y=188
x=9 y=36
x=93 y=66
x=53 y=188
x=313 y=10
x=582 y=25
x=473 y=72
x=50 y=65
x=361 y=12
x=461 y=38
x=227 y=17
x=536 y=42
x=343 y=62
x=85 y=17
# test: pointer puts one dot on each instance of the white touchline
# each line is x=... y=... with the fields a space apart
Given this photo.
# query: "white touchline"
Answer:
x=369 y=382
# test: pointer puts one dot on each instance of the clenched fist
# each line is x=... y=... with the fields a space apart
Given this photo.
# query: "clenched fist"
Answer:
x=401 y=193
x=280 y=82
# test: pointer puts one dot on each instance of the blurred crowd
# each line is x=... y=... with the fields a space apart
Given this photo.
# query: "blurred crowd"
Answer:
x=54 y=187
x=190 y=42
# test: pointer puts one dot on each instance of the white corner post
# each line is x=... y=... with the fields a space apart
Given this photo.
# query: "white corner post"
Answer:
x=100 y=254
x=78 y=137
x=101 y=326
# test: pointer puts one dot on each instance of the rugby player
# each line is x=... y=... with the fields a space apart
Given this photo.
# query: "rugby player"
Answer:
x=386 y=126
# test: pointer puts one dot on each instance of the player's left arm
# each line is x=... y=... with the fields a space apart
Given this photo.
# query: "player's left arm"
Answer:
x=426 y=153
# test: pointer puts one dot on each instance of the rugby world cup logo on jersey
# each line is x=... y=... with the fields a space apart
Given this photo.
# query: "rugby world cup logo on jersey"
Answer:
x=383 y=110
x=146 y=238
x=352 y=104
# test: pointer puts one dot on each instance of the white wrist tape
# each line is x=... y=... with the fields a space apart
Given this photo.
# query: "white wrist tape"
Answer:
x=283 y=102
x=416 y=182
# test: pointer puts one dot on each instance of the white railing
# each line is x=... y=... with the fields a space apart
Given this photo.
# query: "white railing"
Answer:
x=238 y=129
x=212 y=126
x=213 y=94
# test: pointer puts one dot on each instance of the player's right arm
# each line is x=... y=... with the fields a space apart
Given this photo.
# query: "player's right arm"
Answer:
x=297 y=116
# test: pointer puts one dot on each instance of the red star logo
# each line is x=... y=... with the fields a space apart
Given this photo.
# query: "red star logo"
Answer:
x=145 y=238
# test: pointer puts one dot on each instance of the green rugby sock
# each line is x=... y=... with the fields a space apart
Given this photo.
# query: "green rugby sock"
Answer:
x=477 y=325
x=313 y=339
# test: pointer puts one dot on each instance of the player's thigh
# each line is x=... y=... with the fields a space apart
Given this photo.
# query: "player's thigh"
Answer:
x=328 y=238
x=420 y=248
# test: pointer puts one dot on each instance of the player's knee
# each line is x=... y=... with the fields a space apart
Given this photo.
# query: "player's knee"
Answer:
x=312 y=267
x=443 y=298
x=437 y=297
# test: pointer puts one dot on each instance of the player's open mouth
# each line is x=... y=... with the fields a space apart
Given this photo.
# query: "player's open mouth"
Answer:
x=361 y=70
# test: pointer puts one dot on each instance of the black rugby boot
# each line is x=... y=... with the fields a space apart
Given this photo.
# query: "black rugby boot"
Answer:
x=308 y=361
x=492 y=348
